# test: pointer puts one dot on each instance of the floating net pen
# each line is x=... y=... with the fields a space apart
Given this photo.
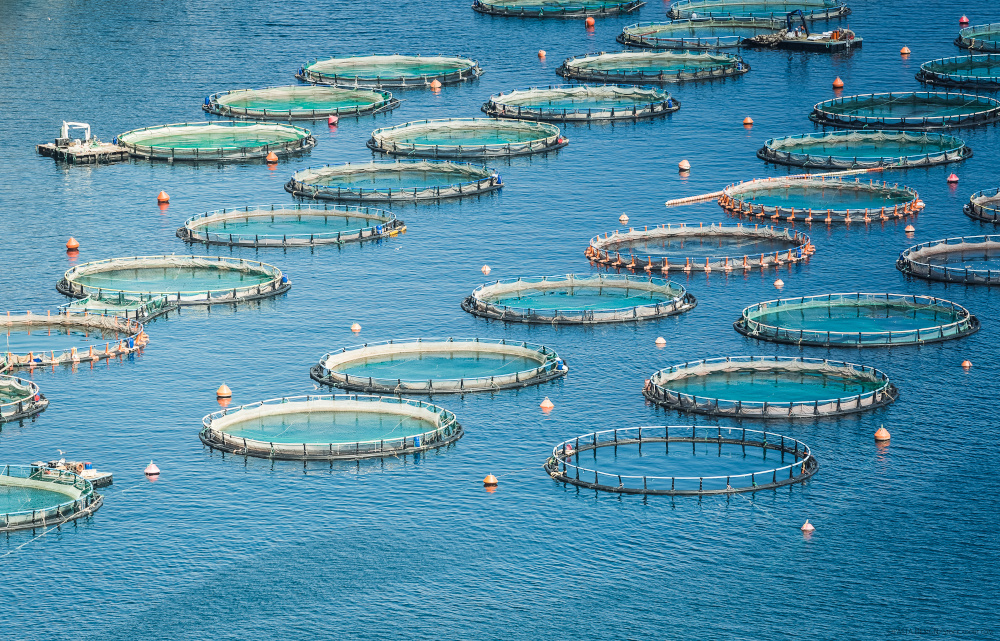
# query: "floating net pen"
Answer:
x=299 y=102
x=984 y=206
x=466 y=138
x=698 y=34
x=973 y=260
x=219 y=140
x=907 y=110
x=776 y=9
x=394 y=181
x=864 y=149
x=967 y=72
x=393 y=71
x=983 y=37
x=555 y=8
x=19 y=398
x=138 y=307
x=37 y=497
x=581 y=103
x=651 y=67
x=46 y=340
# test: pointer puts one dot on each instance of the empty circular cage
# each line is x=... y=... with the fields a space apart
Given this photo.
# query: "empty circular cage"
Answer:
x=439 y=366
x=651 y=67
x=36 y=340
x=856 y=320
x=829 y=200
x=698 y=34
x=982 y=37
x=19 y=398
x=769 y=387
x=863 y=149
x=984 y=206
x=330 y=427
x=182 y=280
x=973 y=260
x=971 y=72
x=219 y=140
x=394 y=180
x=579 y=299
x=555 y=8
x=299 y=102
x=907 y=110
x=699 y=248
x=581 y=103
x=290 y=225
x=399 y=71
x=811 y=9
x=38 y=497
x=726 y=475
x=466 y=138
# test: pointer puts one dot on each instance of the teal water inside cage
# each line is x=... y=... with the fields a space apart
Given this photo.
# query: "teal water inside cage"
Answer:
x=287 y=225
x=214 y=137
x=756 y=9
x=329 y=426
x=850 y=318
x=698 y=31
x=651 y=63
x=465 y=134
x=397 y=178
x=12 y=393
x=907 y=106
x=171 y=279
x=866 y=145
x=772 y=386
x=439 y=365
x=679 y=459
x=16 y=498
x=304 y=98
x=583 y=298
x=973 y=66
x=701 y=247
x=820 y=196
x=554 y=5
x=55 y=338
x=387 y=67
x=971 y=259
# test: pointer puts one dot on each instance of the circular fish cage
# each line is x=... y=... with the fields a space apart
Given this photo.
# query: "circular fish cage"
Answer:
x=36 y=340
x=140 y=307
x=38 y=497
x=573 y=299
x=777 y=9
x=299 y=102
x=982 y=37
x=864 y=149
x=394 y=71
x=829 y=200
x=973 y=260
x=907 y=110
x=687 y=247
x=770 y=387
x=581 y=103
x=466 y=138
x=330 y=427
x=555 y=8
x=697 y=34
x=971 y=72
x=182 y=280
x=219 y=140
x=290 y=226
x=19 y=398
x=984 y=206
x=439 y=366
x=724 y=476
x=651 y=67
x=856 y=320
x=394 y=180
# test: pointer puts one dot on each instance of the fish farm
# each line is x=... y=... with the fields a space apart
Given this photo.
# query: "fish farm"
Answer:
x=581 y=103
x=392 y=71
x=967 y=72
x=219 y=140
x=19 y=398
x=984 y=206
x=719 y=453
x=983 y=37
x=139 y=307
x=36 y=497
x=973 y=260
x=907 y=110
x=466 y=138
x=182 y=280
x=555 y=8
x=857 y=320
x=811 y=9
x=36 y=340
x=698 y=34
x=828 y=200
x=439 y=366
x=651 y=67
x=579 y=299
x=330 y=427
x=394 y=180
x=864 y=149
x=770 y=387
x=290 y=226
x=299 y=102
x=688 y=247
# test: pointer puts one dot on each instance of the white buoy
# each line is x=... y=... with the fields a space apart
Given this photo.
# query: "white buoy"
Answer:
x=356 y=327
x=660 y=341
x=779 y=283
x=151 y=470
x=807 y=527
x=623 y=219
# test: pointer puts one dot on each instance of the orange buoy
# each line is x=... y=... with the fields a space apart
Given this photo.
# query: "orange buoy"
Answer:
x=332 y=121
x=162 y=197
x=547 y=404
x=356 y=327
x=963 y=20
x=684 y=165
x=909 y=229
x=224 y=391
x=952 y=179
x=779 y=283
x=838 y=83
x=905 y=51
x=589 y=21
x=808 y=527
x=490 y=481
x=72 y=244
x=966 y=364
x=541 y=53
x=435 y=84
x=486 y=269
x=272 y=157
x=623 y=219
x=748 y=121
x=882 y=434
x=151 y=470
x=660 y=341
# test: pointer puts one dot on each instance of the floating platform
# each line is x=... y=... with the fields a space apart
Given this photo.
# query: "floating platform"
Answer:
x=299 y=102
x=968 y=72
x=555 y=8
x=35 y=340
x=906 y=111
x=84 y=153
x=220 y=140
x=651 y=67
x=19 y=398
x=38 y=497
x=982 y=37
x=774 y=9
x=698 y=34
x=394 y=180
x=84 y=470
x=393 y=71
x=864 y=149
x=466 y=138
x=581 y=103
x=825 y=42
x=984 y=206
x=972 y=260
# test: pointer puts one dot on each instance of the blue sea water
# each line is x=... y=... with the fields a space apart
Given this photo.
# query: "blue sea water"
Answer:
x=227 y=548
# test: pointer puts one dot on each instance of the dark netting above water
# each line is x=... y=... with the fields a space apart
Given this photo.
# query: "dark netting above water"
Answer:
x=698 y=34
x=573 y=299
x=908 y=110
x=330 y=427
x=390 y=71
x=974 y=260
x=33 y=340
x=700 y=248
x=139 y=307
x=37 y=497
x=219 y=140
x=555 y=8
x=811 y=9
x=299 y=102
x=290 y=225
x=19 y=398
x=439 y=366
x=394 y=180
x=862 y=149
x=973 y=72
x=983 y=37
x=581 y=103
x=770 y=387
x=825 y=199
x=651 y=67
x=984 y=205
x=466 y=138
x=856 y=320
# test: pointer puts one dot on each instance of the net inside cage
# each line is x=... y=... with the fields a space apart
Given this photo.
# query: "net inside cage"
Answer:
x=681 y=33
x=302 y=98
x=171 y=274
x=467 y=132
x=393 y=175
x=864 y=313
x=604 y=97
x=389 y=66
x=650 y=62
x=214 y=136
x=867 y=144
x=909 y=105
x=686 y=8
x=821 y=195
